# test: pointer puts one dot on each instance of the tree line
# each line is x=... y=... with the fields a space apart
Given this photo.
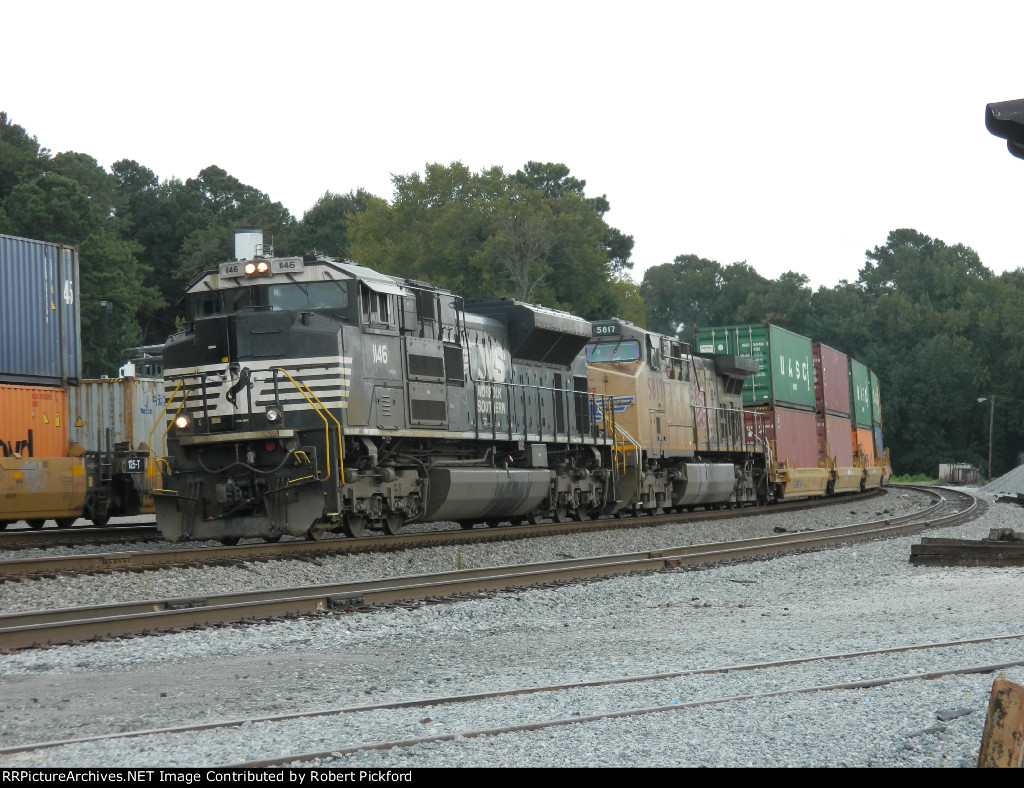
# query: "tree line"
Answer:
x=939 y=329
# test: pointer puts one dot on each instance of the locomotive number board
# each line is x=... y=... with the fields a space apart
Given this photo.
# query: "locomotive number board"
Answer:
x=606 y=329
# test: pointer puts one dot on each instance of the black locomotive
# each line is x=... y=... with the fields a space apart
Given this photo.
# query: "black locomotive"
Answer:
x=311 y=394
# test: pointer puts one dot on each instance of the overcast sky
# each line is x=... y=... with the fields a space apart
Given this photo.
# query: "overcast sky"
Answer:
x=790 y=135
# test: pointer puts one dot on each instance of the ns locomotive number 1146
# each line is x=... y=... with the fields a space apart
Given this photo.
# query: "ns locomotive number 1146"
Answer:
x=310 y=394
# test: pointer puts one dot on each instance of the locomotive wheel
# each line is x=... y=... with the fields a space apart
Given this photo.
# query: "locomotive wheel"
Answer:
x=354 y=525
x=35 y=525
x=561 y=514
x=65 y=522
x=392 y=524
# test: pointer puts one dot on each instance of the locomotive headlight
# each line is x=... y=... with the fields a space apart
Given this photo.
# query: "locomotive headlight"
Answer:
x=250 y=269
x=274 y=416
x=262 y=267
x=182 y=421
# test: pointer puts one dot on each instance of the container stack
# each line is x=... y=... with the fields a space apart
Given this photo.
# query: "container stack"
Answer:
x=832 y=413
x=41 y=347
x=815 y=410
x=778 y=399
x=863 y=441
x=40 y=356
x=68 y=447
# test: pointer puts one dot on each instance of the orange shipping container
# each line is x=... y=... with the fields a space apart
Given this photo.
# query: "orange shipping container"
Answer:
x=33 y=421
x=863 y=439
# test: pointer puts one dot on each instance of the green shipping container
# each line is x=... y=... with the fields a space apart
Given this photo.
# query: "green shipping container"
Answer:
x=785 y=372
x=876 y=400
x=860 y=393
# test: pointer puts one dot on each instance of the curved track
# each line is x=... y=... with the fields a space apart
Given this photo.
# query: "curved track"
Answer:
x=26 y=630
x=266 y=551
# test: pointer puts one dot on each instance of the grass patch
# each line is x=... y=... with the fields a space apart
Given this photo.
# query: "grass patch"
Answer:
x=919 y=478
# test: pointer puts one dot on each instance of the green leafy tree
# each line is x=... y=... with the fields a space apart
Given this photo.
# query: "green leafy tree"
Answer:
x=325 y=227
x=533 y=236
x=21 y=158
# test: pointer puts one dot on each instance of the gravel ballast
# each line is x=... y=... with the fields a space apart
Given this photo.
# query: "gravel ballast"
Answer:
x=827 y=602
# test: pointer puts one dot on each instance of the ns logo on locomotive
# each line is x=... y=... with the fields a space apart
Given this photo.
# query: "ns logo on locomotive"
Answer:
x=312 y=394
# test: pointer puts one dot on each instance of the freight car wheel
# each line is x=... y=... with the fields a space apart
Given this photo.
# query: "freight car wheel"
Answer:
x=66 y=522
x=229 y=541
x=466 y=525
x=561 y=514
x=35 y=525
x=354 y=525
x=4 y=524
x=100 y=522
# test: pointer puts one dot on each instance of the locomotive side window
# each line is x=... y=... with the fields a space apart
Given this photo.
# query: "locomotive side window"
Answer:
x=609 y=352
x=376 y=307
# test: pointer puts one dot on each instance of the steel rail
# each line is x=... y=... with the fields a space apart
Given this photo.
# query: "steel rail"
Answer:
x=478 y=696
x=611 y=715
x=265 y=551
x=25 y=630
x=78 y=535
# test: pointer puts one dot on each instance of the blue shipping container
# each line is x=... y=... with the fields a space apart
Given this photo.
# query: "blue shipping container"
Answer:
x=40 y=324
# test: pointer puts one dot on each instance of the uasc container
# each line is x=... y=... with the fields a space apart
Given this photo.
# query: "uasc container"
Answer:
x=785 y=375
x=33 y=421
x=40 y=329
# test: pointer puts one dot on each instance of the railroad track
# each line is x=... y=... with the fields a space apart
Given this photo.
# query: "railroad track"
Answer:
x=25 y=630
x=298 y=548
x=438 y=719
x=71 y=537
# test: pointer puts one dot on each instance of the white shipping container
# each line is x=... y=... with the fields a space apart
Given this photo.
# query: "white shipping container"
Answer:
x=127 y=407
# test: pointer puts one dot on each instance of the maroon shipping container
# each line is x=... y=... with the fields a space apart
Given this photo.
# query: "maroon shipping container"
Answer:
x=793 y=432
x=831 y=380
x=833 y=431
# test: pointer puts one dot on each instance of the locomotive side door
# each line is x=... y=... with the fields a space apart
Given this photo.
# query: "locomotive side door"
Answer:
x=379 y=307
x=425 y=359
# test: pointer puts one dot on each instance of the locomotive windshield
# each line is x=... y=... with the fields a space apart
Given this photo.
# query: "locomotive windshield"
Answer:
x=315 y=295
x=295 y=297
x=610 y=352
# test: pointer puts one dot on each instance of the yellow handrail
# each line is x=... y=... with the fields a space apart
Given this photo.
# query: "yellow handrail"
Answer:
x=620 y=438
x=319 y=408
x=152 y=465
